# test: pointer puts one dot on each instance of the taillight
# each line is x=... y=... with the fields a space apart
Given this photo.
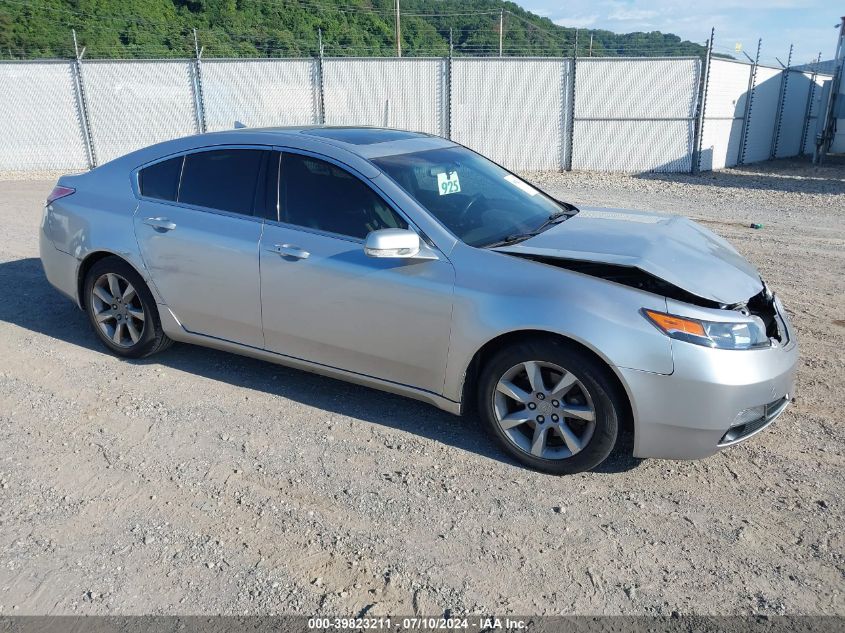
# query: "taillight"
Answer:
x=59 y=192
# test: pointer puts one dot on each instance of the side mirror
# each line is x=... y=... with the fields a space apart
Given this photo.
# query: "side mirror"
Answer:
x=392 y=243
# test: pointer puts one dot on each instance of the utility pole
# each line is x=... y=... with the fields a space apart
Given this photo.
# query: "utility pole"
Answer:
x=591 y=45
x=501 y=29
x=398 y=33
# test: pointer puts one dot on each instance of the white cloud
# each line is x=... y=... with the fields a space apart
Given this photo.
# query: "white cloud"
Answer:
x=578 y=22
x=632 y=15
x=806 y=23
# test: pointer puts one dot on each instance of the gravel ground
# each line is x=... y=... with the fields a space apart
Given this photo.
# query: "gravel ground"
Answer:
x=199 y=482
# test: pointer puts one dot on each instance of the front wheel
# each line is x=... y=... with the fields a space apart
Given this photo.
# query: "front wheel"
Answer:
x=552 y=407
x=122 y=310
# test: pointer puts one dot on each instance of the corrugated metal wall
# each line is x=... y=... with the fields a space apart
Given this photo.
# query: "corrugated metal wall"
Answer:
x=40 y=125
x=135 y=104
x=635 y=114
x=512 y=110
x=763 y=115
x=724 y=111
x=795 y=97
x=815 y=108
x=774 y=109
x=403 y=93
x=259 y=93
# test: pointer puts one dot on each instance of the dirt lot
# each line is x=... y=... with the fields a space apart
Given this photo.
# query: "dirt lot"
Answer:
x=201 y=482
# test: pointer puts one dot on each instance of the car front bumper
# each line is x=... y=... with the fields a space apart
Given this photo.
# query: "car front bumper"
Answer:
x=693 y=412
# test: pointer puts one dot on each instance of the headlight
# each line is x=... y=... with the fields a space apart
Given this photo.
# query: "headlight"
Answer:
x=720 y=334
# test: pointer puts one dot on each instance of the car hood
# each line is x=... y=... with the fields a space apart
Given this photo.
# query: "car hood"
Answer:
x=669 y=247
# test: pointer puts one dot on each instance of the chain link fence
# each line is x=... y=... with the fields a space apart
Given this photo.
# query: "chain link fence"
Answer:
x=258 y=93
x=513 y=110
x=605 y=114
x=41 y=126
x=134 y=104
x=635 y=114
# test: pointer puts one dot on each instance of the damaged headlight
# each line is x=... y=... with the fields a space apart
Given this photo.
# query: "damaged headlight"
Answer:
x=719 y=334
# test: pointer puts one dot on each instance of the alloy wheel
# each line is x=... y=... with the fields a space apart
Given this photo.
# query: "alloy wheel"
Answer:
x=118 y=310
x=544 y=410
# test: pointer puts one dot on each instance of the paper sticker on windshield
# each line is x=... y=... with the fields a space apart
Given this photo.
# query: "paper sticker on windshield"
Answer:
x=447 y=182
x=516 y=182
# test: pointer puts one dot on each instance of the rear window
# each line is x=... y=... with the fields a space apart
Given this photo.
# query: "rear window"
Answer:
x=161 y=181
x=221 y=179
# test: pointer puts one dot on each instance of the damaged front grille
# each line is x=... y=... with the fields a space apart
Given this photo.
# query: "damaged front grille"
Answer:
x=763 y=306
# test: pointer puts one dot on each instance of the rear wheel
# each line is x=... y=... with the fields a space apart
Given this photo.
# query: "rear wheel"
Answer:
x=122 y=310
x=550 y=406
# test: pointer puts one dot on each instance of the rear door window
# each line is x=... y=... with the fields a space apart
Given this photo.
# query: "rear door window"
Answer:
x=223 y=179
x=161 y=181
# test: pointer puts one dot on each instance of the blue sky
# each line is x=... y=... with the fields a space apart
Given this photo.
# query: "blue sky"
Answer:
x=809 y=24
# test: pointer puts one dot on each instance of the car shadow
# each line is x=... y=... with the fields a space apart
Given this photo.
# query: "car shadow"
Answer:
x=28 y=301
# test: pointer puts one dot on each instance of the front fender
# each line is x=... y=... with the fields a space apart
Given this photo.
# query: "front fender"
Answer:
x=498 y=294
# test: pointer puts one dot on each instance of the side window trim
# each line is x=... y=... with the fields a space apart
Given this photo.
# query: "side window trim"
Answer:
x=272 y=184
x=258 y=208
x=219 y=148
x=179 y=184
x=135 y=176
x=205 y=148
x=355 y=174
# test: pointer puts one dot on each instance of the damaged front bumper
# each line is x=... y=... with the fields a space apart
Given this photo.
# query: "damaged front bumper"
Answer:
x=714 y=397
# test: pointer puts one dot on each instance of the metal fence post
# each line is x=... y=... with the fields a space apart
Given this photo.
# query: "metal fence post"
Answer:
x=570 y=132
x=199 y=98
x=808 y=111
x=447 y=97
x=82 y=103
x=752 y=84
x=784 y=82
x=700 y=106
x=321 y=108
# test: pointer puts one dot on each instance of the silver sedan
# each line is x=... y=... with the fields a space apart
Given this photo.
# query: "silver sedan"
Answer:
x=409 y=263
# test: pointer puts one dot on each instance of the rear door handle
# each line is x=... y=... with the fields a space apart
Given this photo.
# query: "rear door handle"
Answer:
x=289 y=250
x=160 y=224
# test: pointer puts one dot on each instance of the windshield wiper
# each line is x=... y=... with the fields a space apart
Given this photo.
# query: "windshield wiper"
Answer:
x=554 y=218
x=510 y=239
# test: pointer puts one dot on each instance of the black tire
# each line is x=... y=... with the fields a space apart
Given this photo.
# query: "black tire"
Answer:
x=593 y=376
x=152 y=337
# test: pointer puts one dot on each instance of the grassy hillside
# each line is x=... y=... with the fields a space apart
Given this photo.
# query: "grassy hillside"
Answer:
x=283 y=28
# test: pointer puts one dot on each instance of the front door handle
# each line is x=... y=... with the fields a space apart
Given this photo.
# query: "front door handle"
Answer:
x=161 y=225
x=289 y=250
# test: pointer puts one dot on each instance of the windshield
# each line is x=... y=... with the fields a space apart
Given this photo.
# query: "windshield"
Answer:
x=481 y=203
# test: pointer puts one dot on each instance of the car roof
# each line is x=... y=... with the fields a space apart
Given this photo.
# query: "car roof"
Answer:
x=355 y=146
x=367 y=142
